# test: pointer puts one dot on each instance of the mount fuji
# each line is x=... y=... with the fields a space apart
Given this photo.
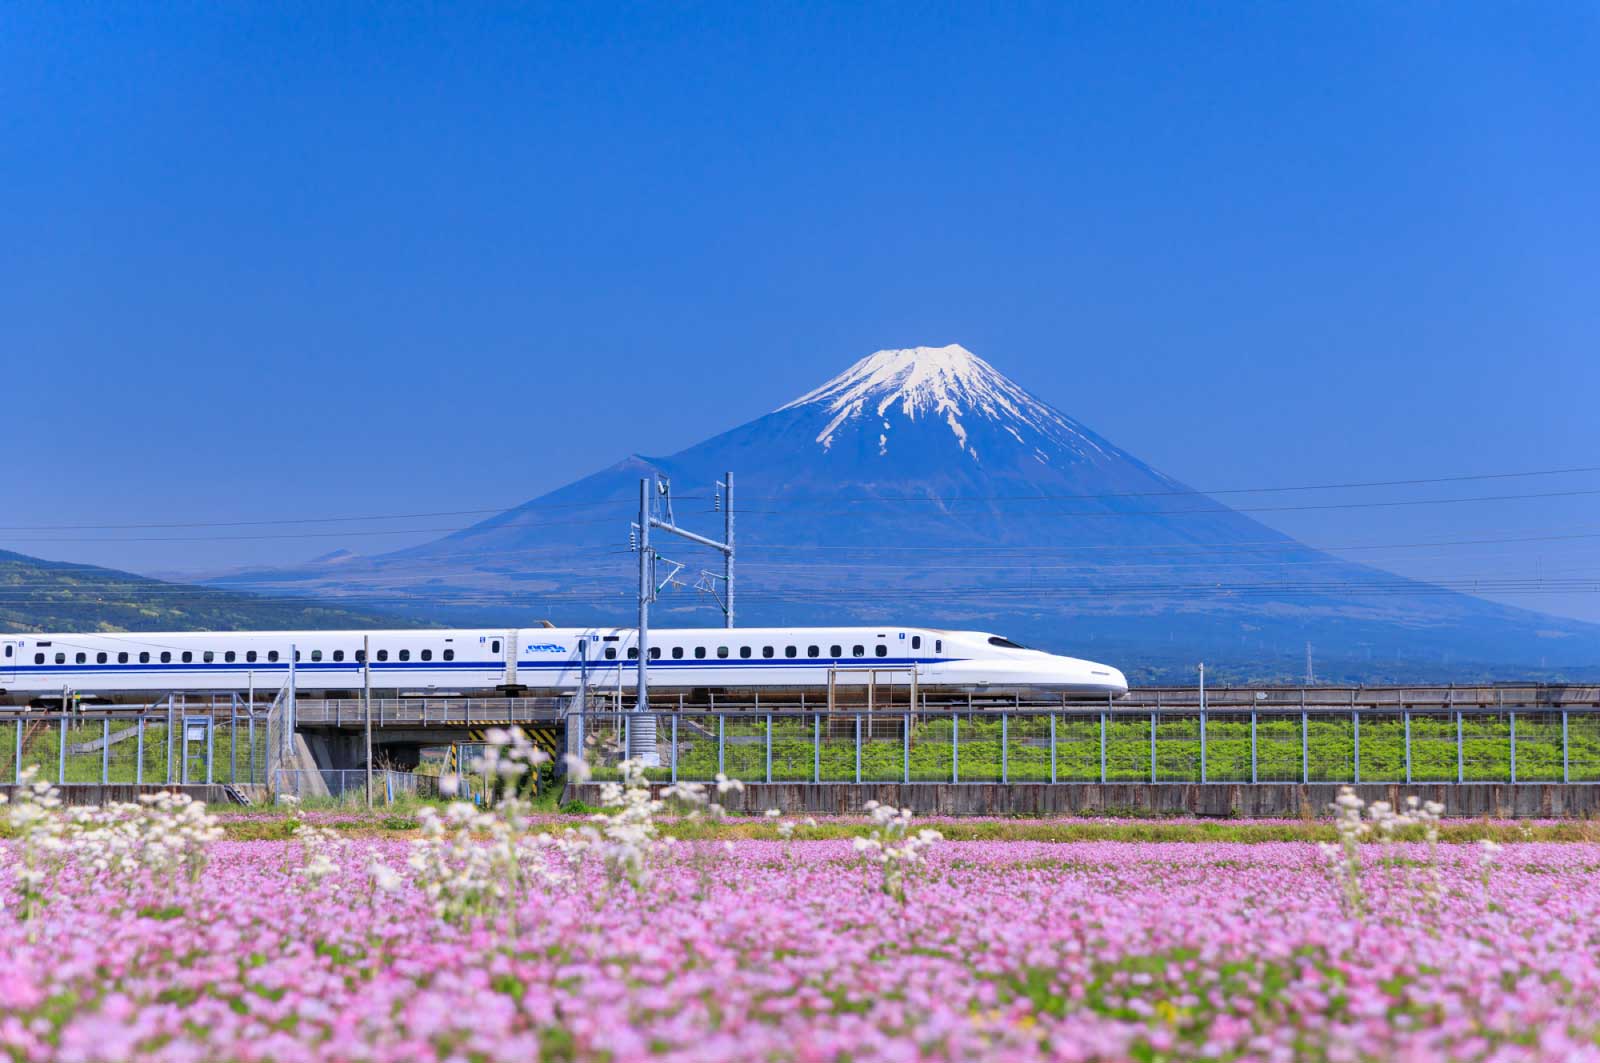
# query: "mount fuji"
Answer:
x=922 y=484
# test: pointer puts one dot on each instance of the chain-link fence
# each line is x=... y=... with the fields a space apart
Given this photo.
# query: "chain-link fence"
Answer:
x=1183 y=746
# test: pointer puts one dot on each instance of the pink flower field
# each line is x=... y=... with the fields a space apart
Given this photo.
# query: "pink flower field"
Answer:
x=438 y=948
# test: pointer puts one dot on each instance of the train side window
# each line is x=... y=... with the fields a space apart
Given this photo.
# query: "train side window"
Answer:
x=722 y=651
x=122 y=658
x=272 y=656
x=383 y=655
x=208 y=656
x=144 y=657
x=166 y=656
x=494 y=647
x=790 y=651
x=405 y=655
x=883 y=651
x=836 y=651
x=744 y=651
x=449 y=655
x=633 y=653
x=916 y=642
x=858 y=651
x=61 y=658
x=427 y=655
x=250 y=656
x=38 y=658
x=766 y=651
x=296 y=656
x=100 y=658
x=316 y=655
x=699 y=653
x=361 y=657
x=677 y=653
x=655 y=653
x=938 y=645
x=188 y=656
x=230 y=656
x=813 y=651
x=611 y=653
x=338 y=655
x=83 y=658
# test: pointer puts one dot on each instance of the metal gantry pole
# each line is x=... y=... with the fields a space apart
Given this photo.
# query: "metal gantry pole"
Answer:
x=727 y=555
x=637 y=741
x=366 y=703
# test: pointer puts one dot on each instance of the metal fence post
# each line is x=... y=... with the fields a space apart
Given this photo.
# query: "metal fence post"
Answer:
x=211 y=745
x=1204 y=777
x=105 y=751
x=722 y=721
x=1461 y=764
x=61 y=758
x=858 y=747
x=1513 y=745
x=1052 y=747
x=1004 y=753
x=1152 y=747
x=1355 y=731
x=769 y=747
x=675 y=747
x=955 y=747
x=1305 y=746
x=1254 y=771
x=251 y=731
x=18 y=771
x=905 y=748
x=1102 y=747
x=816 y=748
x=1405 y=720
x=1566 y=773
x=168 y=779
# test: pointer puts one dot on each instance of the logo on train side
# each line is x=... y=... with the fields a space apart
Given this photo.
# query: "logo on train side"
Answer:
x=546 y=647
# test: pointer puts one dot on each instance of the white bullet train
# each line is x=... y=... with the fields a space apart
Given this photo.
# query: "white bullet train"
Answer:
x=536 y=660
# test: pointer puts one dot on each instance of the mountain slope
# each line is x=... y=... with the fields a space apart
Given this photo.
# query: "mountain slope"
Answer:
x=923 y=484
x=39 y=595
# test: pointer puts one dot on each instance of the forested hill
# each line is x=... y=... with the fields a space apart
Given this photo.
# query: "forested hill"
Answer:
x=39 y=595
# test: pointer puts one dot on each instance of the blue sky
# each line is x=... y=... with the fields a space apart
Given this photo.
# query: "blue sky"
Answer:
x=308 y=260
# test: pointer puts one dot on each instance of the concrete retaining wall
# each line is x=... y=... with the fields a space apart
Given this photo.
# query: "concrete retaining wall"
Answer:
x=1260 y=800
x=129 y=793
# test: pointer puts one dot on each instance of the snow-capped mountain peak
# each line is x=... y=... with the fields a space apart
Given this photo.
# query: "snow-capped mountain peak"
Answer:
x=948 y=384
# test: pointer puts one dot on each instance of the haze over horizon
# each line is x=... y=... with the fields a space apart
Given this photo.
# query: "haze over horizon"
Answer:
x=315 y=262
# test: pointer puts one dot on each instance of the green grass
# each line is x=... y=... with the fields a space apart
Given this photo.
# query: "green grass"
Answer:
x=1329 y=750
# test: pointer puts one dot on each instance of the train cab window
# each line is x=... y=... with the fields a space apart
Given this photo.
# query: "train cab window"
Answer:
x=122 y=658
x=916 y=642
x=166 y=656
x=633 y=653
x=100 y=658
x=83 y=658
x=230 y=656
x=449 y=655
x=494 y=647
x=611 y=653
x=655 y=653
x=677 y=653
x=722 y=651
x=144 y=657
x=426 y=655
x=744 y=651
x=883 y=651
x=272 y=656
x=835 y=651
x=316 y=655
x=996 y=640
x=405 y=655
x=858 y=651
x=766 y=651
x=38 y=658
x=383 y=655
x=813 y=651
x=8 y=649
x=790 y=651
x=338 y=655
x=208 y=656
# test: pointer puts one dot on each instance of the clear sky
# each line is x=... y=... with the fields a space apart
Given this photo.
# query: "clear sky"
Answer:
x=303 y=260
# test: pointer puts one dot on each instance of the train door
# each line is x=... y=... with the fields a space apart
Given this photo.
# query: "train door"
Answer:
x=10 y=652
